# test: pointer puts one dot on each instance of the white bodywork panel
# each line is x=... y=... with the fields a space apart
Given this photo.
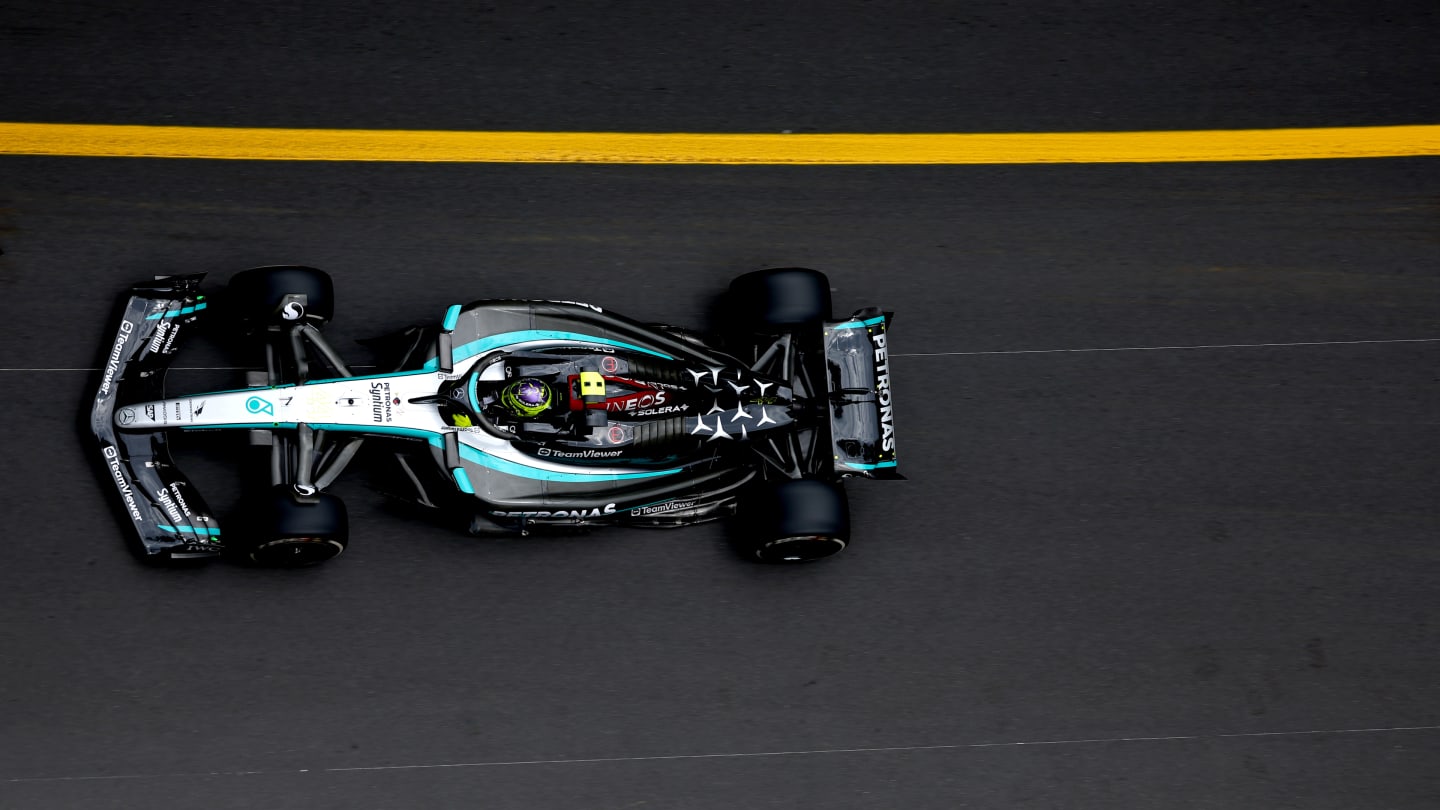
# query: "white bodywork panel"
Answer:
x=377 y=405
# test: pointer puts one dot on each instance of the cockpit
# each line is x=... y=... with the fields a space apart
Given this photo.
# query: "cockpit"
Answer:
x=563 y=397
x=608 y=407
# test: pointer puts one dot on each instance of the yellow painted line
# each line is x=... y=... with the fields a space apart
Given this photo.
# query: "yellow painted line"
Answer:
x=101 y=140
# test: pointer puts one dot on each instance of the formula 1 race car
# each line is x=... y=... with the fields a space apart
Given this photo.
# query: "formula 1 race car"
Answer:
x=512 y=415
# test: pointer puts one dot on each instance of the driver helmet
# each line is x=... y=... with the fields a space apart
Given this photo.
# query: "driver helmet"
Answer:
x=526 y=397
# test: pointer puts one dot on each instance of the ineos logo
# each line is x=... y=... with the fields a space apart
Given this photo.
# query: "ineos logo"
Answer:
x=292 y=311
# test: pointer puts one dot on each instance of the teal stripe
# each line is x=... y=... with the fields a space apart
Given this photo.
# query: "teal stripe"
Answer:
x=485 y=344
x=174 y=312
x=859 y=324
x=512 y=468
x=859 y=466
x=194 y=529
x=462 y=479
x=451 y=316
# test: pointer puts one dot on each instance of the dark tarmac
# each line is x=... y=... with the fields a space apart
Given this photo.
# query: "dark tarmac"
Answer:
x=1170 y=533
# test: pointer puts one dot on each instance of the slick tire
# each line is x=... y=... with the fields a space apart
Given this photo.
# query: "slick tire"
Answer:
x=780 y=299
x=796 y=521
x=281 y=296
x=286 y=533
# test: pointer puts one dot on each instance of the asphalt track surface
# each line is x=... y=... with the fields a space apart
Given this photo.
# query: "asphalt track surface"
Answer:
x=1169 y=534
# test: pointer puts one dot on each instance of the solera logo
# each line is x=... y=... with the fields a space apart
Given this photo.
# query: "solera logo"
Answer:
x=292 y=311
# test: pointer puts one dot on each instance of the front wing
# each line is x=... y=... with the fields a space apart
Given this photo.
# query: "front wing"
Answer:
x=169 y=519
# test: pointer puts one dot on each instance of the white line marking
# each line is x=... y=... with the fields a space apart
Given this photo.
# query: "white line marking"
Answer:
x=747 y=754
x=939 y=354
x=1167 y=348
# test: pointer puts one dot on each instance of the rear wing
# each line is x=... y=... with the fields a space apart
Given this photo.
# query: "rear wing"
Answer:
x=169 y=519
x=862 y=417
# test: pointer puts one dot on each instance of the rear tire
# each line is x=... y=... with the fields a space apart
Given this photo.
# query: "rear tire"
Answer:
x=780 y=299
x=286 y=533
x=281 y=296
x=797 y=521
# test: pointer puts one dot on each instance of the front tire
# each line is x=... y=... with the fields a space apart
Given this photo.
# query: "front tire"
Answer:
x=797 y=521
x=285 y=532
x=281 y=296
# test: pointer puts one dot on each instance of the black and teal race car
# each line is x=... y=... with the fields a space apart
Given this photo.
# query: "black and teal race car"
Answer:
x=511 y=415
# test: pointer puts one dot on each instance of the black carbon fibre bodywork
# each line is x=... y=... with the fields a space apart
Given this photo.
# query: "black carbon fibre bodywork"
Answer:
x=170 y=519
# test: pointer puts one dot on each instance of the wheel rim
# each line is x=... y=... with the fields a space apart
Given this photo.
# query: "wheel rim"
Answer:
x=296 y=551
x=800 y=548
